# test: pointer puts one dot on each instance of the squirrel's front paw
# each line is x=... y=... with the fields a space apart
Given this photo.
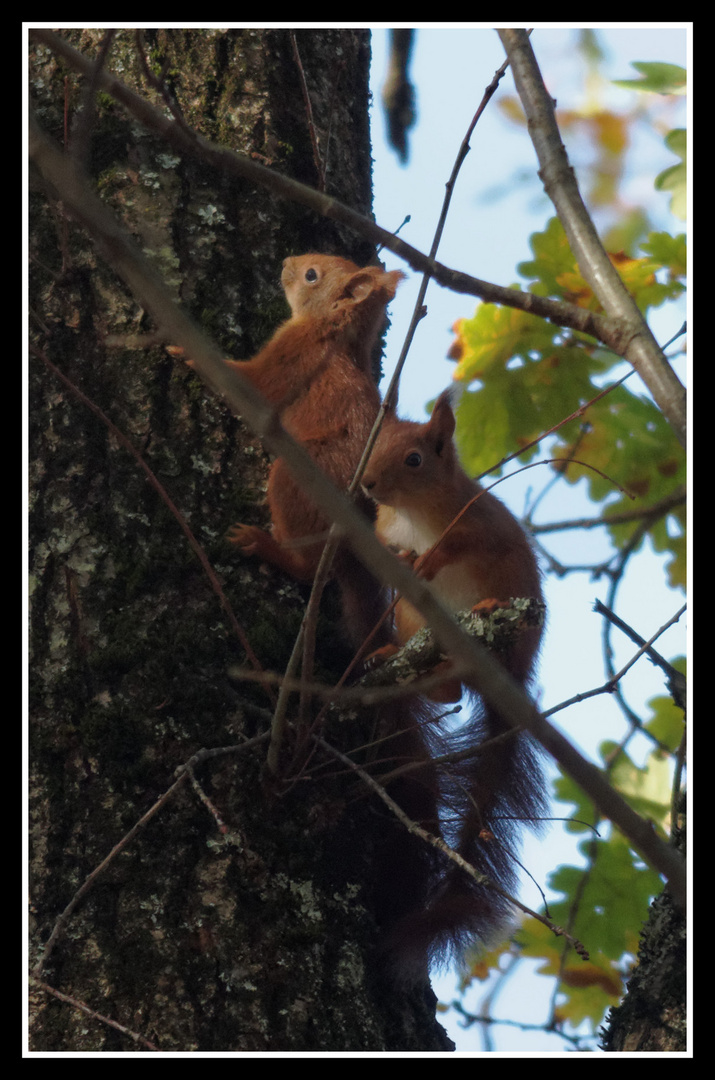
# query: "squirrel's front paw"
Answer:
x=487 y=607
x=177 y=352
x=377 y=658
x=249 y=538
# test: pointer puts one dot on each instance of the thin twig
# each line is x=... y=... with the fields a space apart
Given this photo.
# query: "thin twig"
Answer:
x=77 y=1004
x=617 y=574
x=672 y=673
x=582 y=409
x=158 y=83
x=184 y=773
x=317 y=159
x=419 y=311
x=82 y=133
x=279 y=722
x=98 y=870
x=664 y=506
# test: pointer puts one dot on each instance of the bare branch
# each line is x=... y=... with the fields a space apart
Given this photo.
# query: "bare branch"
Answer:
x=651 y=513
x=676 y=680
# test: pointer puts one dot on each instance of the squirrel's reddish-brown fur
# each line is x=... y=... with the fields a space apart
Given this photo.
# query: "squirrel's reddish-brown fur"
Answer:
x=316 y=371
x=484 y=560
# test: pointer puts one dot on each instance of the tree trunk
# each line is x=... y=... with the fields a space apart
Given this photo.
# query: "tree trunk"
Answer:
x=244 y=924
x=653 y=1016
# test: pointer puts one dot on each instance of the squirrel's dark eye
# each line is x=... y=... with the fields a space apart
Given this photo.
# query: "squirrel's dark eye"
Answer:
x=413 y=460
x=311 y=275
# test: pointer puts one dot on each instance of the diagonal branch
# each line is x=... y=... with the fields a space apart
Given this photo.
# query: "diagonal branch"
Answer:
x=560 y=184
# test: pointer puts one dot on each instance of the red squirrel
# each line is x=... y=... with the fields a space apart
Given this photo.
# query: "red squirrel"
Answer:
x=316 y=371
x=484 y=560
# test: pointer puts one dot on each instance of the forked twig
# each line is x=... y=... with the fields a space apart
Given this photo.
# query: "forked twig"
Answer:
x=185 y=773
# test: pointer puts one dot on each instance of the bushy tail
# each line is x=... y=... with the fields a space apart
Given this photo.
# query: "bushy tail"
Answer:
x=485 y=800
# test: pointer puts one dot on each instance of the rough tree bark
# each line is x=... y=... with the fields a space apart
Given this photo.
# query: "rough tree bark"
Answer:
x=653 y=1016
x=258 y=935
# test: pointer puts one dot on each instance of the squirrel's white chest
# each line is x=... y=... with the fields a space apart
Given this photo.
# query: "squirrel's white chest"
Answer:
x=409 y=532
x=454 y=584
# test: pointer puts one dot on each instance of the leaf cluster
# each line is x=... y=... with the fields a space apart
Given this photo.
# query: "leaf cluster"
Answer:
x=525 y=375
x=605 y=897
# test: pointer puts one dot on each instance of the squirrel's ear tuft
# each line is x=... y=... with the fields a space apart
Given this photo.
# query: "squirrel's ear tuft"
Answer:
x=359 y=286
x=442 y=423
